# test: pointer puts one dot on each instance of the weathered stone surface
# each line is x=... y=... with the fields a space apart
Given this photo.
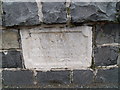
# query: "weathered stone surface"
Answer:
x=20 y=13
x=54 y=12
x=0 y=13
x=118 y=10
x=53 y=78
x=118 y=61
x=107 y=34
x=106 y=55
x=118 y=6
x=17 y=78
x=11 y=59
x=0 y=79
x=107 y=76
x=57 y=47
x=9 y=39
x=83 y=77
x=92 y=11
x=0 y=60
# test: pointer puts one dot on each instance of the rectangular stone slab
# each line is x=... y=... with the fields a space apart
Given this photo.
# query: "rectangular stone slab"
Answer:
x=57 y=48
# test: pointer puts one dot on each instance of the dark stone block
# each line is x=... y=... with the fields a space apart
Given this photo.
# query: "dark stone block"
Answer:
x=106 y=55
x=11 y=59
x=53 y=78
x=0 y=60
x=92 y=11
x=107 y=76
x=108 y=33
x=118 y=10
x=17 y=78
x=54 y=12
x=0 y=13
x=20 y=13
x=83 y=77
x=118 y=6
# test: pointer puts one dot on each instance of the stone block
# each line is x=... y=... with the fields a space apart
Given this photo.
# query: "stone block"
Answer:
x=9 y=39
x=107 y=34
x=53 y=78
x=54 y=12
x=20 y=13
x=57 y=48
x=106 y=55
x=11 y=59
x=92 y=11
x=107 y=76
x=17 y=78
x=83 y=77
x=0 y=13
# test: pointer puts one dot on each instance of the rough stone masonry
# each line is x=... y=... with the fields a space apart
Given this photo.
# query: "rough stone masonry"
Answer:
x=66 y=44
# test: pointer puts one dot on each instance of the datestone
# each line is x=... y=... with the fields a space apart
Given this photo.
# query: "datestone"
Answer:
x=51 y=48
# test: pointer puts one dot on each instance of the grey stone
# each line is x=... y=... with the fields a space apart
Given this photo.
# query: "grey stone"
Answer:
x=20 y=13
x=0 y=60
x=92 y=11
x=106 y=55
x=0 y=79
x=107 y=76
x=118 y=6
x=53 y=78
x=83 y=77
x=54 y=12
x=118 y=61
x=9 y=39
x=17 y=78
x=118 y=11
x=0 y=13
x=11 y=59
x=108 y=33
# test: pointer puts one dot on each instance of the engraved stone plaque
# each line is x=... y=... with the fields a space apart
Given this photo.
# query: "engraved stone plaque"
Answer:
x=57 y=48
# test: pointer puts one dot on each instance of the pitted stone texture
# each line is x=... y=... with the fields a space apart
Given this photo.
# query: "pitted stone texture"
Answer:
x=54 y=12
x=118 y=6
x=107 y=76
x=83 y=77
x=0 y=79
x=118 y=10
x=0 y=60
x=92 y=11
x=107 y=34
x=11 y=59
x=9 y=39
x=20 y=13
x=106 y=55
x=17 y=78
x=57 y=47
x=118 y=61
x=0 y=13
x=53 y=78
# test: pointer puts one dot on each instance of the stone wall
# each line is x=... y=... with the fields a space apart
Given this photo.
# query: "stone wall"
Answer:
x=65 y=44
